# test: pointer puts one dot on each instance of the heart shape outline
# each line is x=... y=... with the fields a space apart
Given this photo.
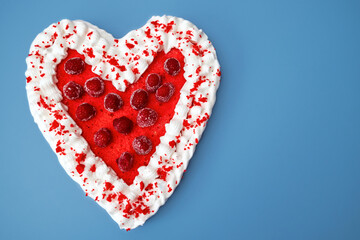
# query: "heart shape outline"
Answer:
x=114 y=59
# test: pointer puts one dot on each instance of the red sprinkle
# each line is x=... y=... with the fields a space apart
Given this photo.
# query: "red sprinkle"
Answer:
x=172 y=143
x=80 y=157
x=80 y=168
x=108 y=186
x=54 y=125
x=89 y=52
x=130 y=46
x=93 y=168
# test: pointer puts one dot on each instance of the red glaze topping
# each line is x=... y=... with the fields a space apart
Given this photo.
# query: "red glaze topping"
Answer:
x=121 y=143
x=165 y=92
x=146 y=117
x=72 y=90
x=125 y=162
x=94 y=86
x=102 y=138
x=123 y=125
x=74 y=66
x=172 y=66
x=153 y=82
x=142 y=145
x=113 y=102
x=139 y=99
x=85 y=112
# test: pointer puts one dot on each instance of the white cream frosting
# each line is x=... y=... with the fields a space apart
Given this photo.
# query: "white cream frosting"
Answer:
x=201 y=69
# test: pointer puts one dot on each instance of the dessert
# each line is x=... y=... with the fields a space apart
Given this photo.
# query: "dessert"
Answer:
x=123 y=115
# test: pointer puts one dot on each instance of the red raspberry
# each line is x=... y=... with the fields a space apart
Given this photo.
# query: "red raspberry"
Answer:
x=146 y=117
x=72 y=90
x=94 y=86
x=113 y=102
x=102 y=138
x=142 y=145
x=123 y=125
x=172 y=66
x=85 y=112
x=125 y=162
x=74 y=66
x=165 y=92
x=139 y=99
x=153 y=82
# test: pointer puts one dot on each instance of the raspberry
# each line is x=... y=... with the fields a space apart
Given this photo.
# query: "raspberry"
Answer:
x=94 y=86
x=102 y=138
x=172 y=66
x=153 y=82
x=123 y=125
x=74 y=66
x=165 y=92
x=146 y=117
x=72 y=90
x=139 y=99
x=142 y=145
x=125 y=162
x=85 y=112
x=113 y=102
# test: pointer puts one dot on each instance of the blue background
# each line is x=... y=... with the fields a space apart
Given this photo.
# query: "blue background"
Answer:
x=280 y=157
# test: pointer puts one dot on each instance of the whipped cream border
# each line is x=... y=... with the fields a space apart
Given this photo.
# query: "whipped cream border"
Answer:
x=122 y=61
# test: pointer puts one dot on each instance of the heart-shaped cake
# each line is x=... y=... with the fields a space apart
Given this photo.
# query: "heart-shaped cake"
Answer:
x=123 y=115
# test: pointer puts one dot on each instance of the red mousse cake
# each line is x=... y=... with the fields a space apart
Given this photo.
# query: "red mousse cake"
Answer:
x=123 y=115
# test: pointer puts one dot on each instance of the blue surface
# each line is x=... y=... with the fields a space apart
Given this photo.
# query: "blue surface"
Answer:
x=280 y=157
